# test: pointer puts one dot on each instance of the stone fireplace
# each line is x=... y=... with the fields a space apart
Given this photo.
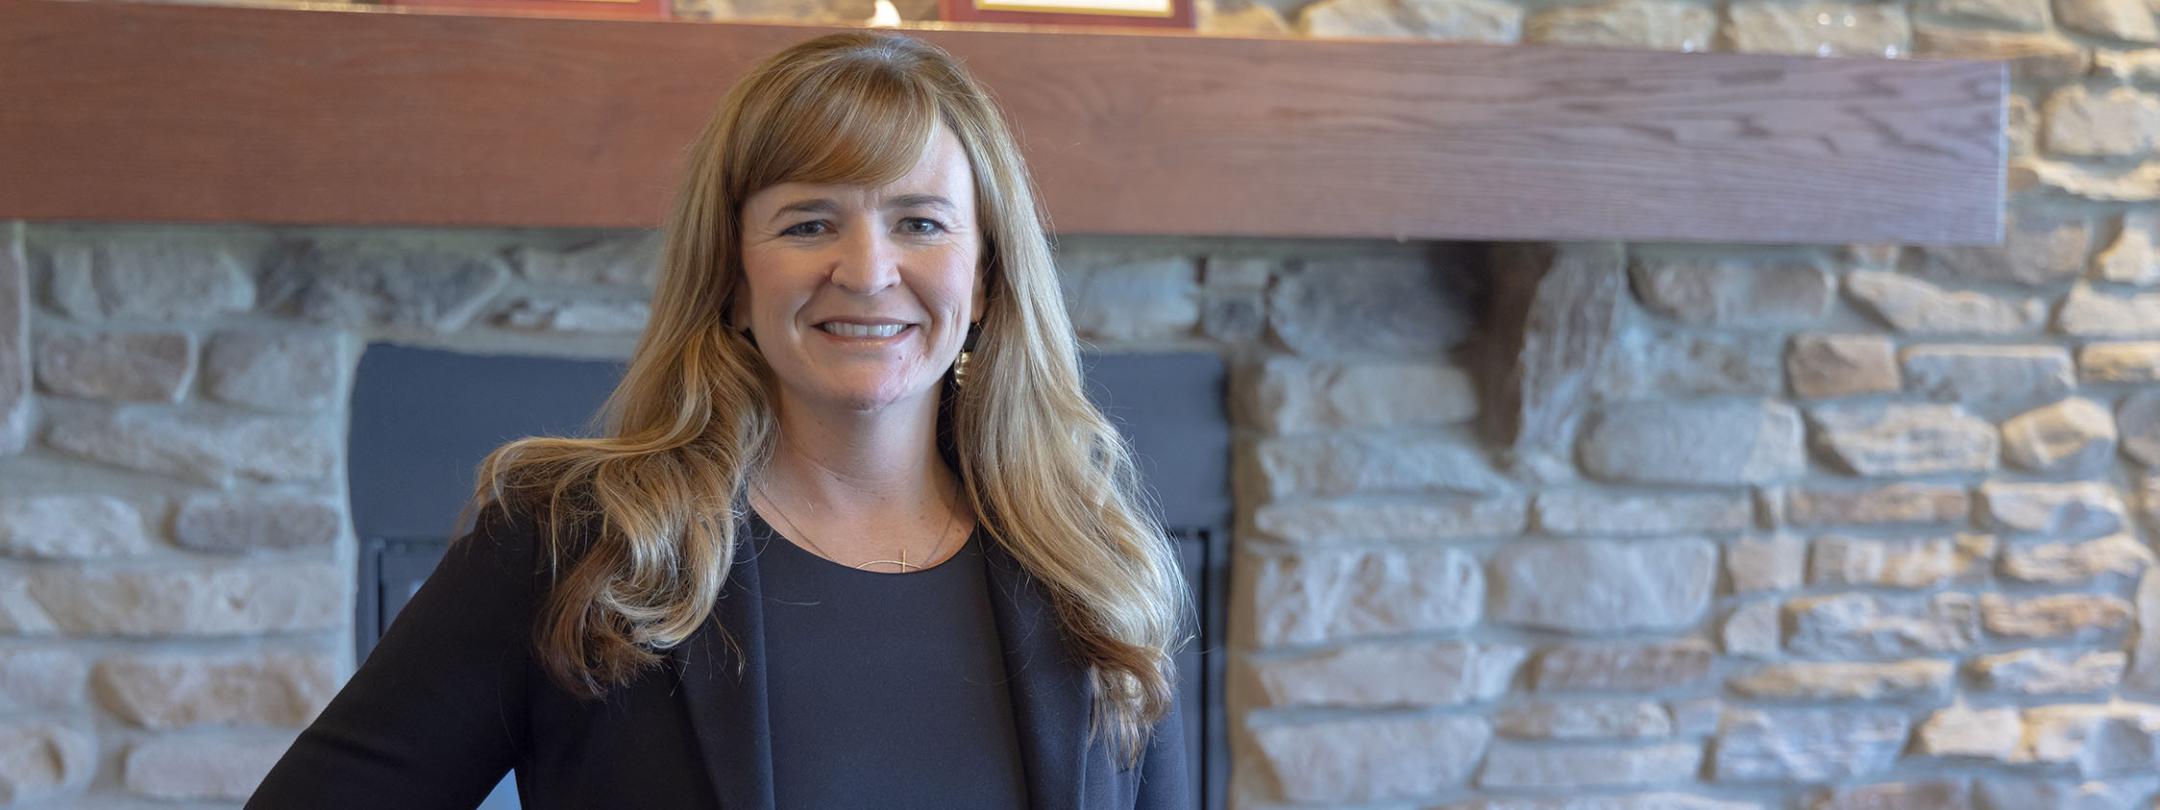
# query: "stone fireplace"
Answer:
x=1519 y=526
x=1677 y=526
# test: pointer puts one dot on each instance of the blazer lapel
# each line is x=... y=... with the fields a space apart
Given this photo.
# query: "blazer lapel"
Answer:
x=1050 y=692
x=728 y=713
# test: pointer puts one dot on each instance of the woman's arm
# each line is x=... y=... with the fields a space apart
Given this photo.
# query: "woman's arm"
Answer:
x=436 y=715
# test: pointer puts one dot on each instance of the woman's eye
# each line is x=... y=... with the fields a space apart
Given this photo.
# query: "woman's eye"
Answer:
x=797 y=229
x=933 y=226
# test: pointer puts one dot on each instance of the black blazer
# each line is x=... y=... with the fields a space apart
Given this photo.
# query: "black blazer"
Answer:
x=452 y=698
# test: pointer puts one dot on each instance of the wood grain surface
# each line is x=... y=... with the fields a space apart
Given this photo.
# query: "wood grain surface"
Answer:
x=184 y=113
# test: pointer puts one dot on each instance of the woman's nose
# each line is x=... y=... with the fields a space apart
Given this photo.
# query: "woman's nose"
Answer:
x=867 y=262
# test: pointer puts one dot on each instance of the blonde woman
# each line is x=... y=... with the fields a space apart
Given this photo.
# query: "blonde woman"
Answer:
x=853 y=536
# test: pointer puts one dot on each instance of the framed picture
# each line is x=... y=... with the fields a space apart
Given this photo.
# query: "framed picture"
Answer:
x=636 y=9
x=1154 y=13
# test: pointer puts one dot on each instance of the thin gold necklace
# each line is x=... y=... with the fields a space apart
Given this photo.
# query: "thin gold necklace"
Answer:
x=902 y=562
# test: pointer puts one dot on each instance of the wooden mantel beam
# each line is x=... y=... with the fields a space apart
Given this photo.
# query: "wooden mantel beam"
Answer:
x=188 y=113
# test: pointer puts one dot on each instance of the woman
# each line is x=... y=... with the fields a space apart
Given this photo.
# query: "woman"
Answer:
x=960 y=599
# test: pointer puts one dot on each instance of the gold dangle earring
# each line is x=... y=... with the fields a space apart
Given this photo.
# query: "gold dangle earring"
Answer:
x=967 y=350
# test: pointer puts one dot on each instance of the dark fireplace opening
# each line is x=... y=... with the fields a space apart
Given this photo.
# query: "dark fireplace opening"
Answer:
x=422 y=418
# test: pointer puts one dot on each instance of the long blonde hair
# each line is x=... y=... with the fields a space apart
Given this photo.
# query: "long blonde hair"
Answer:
x=640 y=523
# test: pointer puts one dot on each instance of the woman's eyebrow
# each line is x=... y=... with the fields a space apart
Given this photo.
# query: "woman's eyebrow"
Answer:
x=824 y=205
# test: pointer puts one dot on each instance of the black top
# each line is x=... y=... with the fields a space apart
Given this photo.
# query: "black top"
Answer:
x=887 y=689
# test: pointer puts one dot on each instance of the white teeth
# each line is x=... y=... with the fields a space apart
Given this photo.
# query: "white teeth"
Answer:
x=856 y=330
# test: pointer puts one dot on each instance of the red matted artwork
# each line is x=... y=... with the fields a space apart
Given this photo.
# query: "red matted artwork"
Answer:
x=1152 y=13
x=635 y=9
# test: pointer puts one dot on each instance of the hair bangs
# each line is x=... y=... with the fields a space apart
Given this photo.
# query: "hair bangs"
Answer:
x=860 y=121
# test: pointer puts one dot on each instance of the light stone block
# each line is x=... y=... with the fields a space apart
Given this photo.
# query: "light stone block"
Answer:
x=203 y=447
x=575 y=316
x=2060 y=563
x=1679 y=363
x=628 y=260
x=1897 y=504
x=1623 y=666
x=2062 y=510
x=1119 y=298
x=1432 y=519
x=1715 y=443
x=1367 y=759
x=2128 y=20
x=2012 y=15
x=181 y=768
x=1663 y=25
x=1338 y=464
x=1753 y=630
x=1962 y=732
x=1407 y=307
x=2049 y=671
x=124 y=366
x=1826 y=366
x=2071 y=437
x=1807 y=745
x=294 y=372
x=1838 y=680
x=152 y=279
x=1593 y=587
x=1294 y=395
x=1734 y=293
x=1819 y=29
x=1860 y=625
x=176 y=601
x=1895 y=440
x=380 y=284
x=2121 y=362
x=1455 y=20
x=1919 y=307
x=76 y=527
x=174 y=691
x=1328 y=596
x=1765 y=564
x=40 y=761
x=1618 y=718
x=2120 y=122
x=1901 y=563
x=1513 y=766
x=2086 y=312
x=2056 y=616
x=1989 y=375
x=1633 y=514
x=1387 y=675
x=42 y=679
x=237 y=523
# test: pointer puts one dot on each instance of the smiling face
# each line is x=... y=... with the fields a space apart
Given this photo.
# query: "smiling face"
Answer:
x=860 y=297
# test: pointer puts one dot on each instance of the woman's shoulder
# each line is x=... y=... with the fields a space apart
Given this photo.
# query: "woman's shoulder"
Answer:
x=528 y=535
